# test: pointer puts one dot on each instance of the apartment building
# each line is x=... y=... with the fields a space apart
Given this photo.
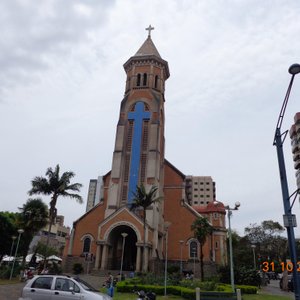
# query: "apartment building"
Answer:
x=200 y=190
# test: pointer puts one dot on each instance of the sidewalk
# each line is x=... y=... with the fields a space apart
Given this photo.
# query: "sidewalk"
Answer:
x=273 y=289
x=11 y=291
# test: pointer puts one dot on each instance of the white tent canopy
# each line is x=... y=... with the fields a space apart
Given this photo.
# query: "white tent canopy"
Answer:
x=54 y=257
x=8 y=258
x=39 y=257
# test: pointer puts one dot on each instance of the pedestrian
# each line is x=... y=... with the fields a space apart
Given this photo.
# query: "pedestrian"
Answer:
x=29 y=274
x=110 y=285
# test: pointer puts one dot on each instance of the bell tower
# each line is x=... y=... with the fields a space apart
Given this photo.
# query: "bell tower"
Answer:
x=138 y=155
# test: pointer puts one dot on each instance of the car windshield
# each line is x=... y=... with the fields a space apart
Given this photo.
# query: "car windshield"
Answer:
x=86 y=285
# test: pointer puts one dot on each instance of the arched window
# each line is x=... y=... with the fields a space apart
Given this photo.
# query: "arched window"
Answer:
x=156 y=82
x=193 y=249
x=86 y=245
x=144 y=79
x=216 y=245
x=138 y=80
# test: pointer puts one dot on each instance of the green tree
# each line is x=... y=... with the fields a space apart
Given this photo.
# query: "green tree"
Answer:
x=202 y=229
x=270 y=244
x=32 y=218
x=44 y=250
x=143 y=199
x=7 y=231
x=242 y=251
x=55 y=186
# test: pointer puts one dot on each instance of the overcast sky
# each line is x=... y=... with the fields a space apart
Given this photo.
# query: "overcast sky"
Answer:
x=62 y=81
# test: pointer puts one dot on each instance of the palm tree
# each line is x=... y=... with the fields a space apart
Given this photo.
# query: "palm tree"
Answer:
x=55 y=186
x=142 y=199
x=202 y=229
x=32 y=218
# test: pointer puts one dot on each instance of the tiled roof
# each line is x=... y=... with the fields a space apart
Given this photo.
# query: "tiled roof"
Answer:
x=211 y=207
x=148 y=48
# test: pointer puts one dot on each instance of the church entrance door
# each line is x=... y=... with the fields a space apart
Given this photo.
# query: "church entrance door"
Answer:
x=123 y=242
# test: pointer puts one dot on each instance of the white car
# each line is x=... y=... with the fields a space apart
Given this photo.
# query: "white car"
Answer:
x=60 y=287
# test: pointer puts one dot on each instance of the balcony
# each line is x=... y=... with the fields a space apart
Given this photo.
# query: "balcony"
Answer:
x=296 y=155
x=297 y=165
x=295 y=145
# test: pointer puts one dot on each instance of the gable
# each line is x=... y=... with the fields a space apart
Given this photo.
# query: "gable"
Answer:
x=123 y=216
x=172 y=176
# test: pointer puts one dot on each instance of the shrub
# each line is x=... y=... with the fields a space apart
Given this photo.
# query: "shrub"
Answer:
x=6 y=269
x=242 y=276
x=124 y=287
x=187 y=293
x=247 y=289
x=5 y=272
x=223 y=288
x=56 y=269
x=77 y=268
x=203 y=285
x=173 y=269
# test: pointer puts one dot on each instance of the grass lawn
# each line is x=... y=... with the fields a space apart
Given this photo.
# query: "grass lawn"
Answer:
x=132 y=296
x=125 y=296
x=265 y=297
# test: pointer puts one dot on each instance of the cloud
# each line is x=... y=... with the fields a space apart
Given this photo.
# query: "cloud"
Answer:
x=34 y=35
x=62 y=81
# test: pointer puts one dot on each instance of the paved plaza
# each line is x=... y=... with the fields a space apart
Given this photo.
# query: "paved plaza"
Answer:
x=11 y=291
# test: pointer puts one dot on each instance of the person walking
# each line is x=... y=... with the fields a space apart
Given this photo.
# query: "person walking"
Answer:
x=110 y=285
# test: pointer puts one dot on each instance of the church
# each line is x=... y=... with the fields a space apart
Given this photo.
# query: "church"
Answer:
x=109 y=236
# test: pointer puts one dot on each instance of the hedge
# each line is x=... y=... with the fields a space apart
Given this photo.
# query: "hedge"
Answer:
x=187 y=293
x=247 y=289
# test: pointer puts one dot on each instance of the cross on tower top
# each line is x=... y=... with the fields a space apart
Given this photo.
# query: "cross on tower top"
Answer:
x=149 y=30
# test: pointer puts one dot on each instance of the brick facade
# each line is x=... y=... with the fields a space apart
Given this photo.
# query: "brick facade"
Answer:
x=110 y=229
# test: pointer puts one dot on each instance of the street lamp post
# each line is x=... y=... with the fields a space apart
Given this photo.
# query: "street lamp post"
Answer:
x=254 y=259
x=181 y=244
x=288 y=218
x=229 y=209
x=166 y=225
x=124 y=235
x=20 y=231
x=12 y=247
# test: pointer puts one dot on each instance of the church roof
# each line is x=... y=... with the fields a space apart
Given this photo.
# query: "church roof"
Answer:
x=215 y=206
x=174 y=168
x=147 y=52
x=148 y=48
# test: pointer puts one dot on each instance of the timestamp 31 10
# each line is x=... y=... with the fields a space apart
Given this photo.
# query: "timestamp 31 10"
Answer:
x=284 y=266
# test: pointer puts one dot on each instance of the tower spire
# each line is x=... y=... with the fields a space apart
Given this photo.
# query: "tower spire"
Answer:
x=149 y=30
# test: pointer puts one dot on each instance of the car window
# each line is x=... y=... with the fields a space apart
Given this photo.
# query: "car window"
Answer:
x=64 y=284
x=42 y=283
x=76 y=288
